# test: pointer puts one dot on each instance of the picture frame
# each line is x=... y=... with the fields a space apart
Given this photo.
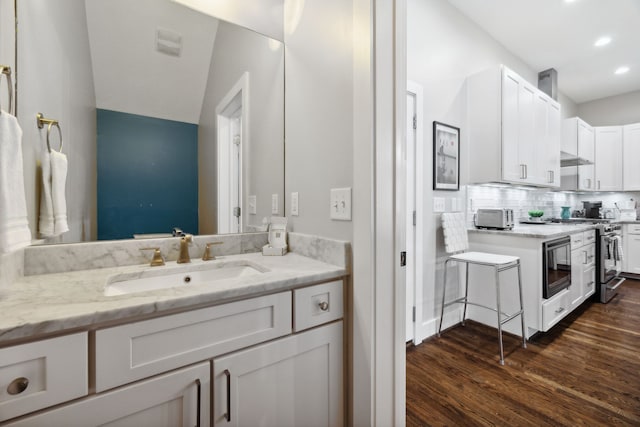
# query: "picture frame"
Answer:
x=446 y=157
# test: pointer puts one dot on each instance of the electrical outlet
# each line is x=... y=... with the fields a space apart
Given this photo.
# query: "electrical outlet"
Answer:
x=253 y=202
x=274 y=203
x=439 y=204
x=294 y=204
x=340 y=204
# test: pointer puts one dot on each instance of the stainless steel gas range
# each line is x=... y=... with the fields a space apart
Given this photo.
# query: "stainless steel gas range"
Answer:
x=608 y=255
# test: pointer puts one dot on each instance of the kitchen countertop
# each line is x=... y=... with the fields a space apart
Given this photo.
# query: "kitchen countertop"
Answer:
x=540 y=231
x=38 y=305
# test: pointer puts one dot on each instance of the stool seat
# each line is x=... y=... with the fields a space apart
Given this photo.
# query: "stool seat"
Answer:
x=484 y=258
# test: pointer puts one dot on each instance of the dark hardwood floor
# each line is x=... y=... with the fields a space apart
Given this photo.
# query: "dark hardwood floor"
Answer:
x=585 y=371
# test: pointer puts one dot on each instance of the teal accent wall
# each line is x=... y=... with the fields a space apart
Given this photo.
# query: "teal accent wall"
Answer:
x=147 y=175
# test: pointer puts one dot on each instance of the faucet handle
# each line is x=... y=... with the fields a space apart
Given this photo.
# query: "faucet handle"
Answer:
x=157 y=259
x=207 y=251
x=187 y=238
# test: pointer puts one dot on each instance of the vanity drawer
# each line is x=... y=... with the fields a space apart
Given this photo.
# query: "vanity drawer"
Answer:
x=317 y=304
x=555 y=309
x=53 y=371
x=138 y=350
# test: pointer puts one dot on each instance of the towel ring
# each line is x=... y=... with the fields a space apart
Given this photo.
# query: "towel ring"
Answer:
x=41 y=121
x=4 y=70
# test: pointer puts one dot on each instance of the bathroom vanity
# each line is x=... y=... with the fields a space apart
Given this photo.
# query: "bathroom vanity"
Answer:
x=262 y=349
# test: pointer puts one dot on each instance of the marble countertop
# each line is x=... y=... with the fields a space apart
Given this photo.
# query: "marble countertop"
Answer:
x=38 y=305
x=540 y=231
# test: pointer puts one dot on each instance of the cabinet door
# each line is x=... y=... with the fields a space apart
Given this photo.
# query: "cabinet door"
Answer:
x=631 y=154
x=180 y=398
x=526 y=143
x=586 y=150
x=293 y=381
x=554 y=142
x=540 y=173
x=608 y=158
x=578 y=261
x=632 y=257
x=512 y=169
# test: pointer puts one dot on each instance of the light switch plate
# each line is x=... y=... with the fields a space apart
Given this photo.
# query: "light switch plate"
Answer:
x=294 y=204
x=340 y=204
x=274 y=203
x=253 y=201
x=439 y=204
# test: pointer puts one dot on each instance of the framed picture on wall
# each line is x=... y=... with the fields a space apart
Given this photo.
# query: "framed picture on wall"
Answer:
x=446 y=157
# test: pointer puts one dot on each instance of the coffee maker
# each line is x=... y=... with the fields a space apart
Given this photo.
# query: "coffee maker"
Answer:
x=592 y=209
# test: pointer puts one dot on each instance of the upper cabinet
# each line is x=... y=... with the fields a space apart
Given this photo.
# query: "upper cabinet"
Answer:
x=608 y=158
x=514 y=130
x=631 y=151
x=578 y=155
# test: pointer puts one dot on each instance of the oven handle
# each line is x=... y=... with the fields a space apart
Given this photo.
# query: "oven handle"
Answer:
x=617 y=285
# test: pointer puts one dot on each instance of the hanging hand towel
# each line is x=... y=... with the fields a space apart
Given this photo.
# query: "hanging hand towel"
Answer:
x=45 y=225
x=58 y=185
x=14 y=226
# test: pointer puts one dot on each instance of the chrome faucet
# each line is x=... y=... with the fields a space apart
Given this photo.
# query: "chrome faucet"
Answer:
x=185 y=241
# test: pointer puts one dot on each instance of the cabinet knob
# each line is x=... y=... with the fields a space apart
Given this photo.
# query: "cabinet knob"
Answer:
x=324 y=306
x=18 y=385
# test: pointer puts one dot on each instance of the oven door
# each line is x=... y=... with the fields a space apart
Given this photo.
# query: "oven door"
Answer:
x=608 y=257
x=556 y=264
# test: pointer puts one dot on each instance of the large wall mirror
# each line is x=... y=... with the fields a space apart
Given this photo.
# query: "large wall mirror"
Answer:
x=170 y=117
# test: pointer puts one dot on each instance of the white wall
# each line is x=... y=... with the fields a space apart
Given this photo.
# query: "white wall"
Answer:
x=319 y=112
x=55 y=78
x=236 y=51
x=612 y=111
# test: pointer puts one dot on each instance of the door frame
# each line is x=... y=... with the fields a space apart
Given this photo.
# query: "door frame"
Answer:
x=239 y=93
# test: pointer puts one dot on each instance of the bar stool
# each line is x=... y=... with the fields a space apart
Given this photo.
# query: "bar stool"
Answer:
x=456 y=244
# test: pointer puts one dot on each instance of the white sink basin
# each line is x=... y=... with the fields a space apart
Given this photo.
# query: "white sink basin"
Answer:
x=179 y=276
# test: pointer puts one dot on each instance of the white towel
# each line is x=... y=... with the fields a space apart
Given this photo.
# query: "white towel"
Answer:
x=14 y=226
x=53 y=204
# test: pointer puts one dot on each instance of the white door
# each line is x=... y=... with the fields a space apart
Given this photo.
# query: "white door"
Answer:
x=631 y=153
x=293 y=381
x=541 y=140
x=180 y=398
x=586 y=150
x=608 y=158
x=512 y=169
x=554 y=142
x=415 y=330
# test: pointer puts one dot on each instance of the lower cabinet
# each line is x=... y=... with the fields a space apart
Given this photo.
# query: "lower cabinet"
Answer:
x=582 y=273
x=179 y=398
x=631 y=244
x=293 y=381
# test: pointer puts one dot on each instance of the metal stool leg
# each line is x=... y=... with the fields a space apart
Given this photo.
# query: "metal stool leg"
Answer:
x=499 y=314
x=524 y=339
x=466 y=291
x=444 y=291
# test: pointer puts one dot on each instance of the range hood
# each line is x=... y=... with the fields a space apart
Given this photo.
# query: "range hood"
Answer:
x=569 y=159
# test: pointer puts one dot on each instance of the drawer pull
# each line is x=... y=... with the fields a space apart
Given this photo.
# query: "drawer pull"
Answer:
x=228 y=414
x=560 y=310
x=18 y=385
x=198 y=403
x=324 y=306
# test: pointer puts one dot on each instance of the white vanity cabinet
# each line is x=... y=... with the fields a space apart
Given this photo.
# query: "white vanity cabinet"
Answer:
x=277 y=360
x=631 y=247
x=178 y=399
x=608 y=158
x=631 y=153
x=515 y=130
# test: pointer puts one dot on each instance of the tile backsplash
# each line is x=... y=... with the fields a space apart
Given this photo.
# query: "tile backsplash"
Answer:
x=522 y=200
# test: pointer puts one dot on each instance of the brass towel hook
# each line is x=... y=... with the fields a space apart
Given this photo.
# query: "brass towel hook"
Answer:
x=41 y=121
x=6 y=71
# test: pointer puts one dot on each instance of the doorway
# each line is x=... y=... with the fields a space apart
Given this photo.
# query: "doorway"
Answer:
x=415 y=330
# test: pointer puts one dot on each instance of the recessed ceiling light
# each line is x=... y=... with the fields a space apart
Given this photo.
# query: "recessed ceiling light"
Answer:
x=570 y=1
x=622 y=70
x=602 y=41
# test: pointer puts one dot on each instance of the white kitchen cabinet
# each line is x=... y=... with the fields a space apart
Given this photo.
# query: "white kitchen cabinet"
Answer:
x=631 y=246
x=179 y=398
x=583 y=260
x=578 y=155
x=608 y=158
x=293 y=381
x=631 y=154
x=514 y=130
